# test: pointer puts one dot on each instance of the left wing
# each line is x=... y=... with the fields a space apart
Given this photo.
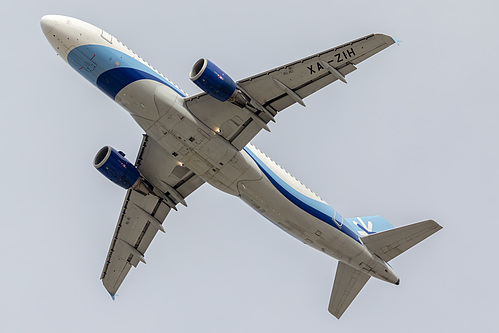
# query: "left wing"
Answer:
x=274 y=90
x=142 y=215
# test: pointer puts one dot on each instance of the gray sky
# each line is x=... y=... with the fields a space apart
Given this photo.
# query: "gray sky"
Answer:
x=412 y=136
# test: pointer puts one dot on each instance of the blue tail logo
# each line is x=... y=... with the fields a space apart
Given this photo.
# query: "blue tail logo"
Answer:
x=366 y=229
x=367 y=225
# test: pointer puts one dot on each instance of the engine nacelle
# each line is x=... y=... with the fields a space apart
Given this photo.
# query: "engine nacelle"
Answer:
x=212 y=80
x=115 y=167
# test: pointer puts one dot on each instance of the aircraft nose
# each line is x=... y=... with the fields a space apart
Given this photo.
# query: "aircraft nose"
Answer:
x=48 y=22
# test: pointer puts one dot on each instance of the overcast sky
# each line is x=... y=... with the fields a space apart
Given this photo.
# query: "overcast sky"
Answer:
x=412 y=136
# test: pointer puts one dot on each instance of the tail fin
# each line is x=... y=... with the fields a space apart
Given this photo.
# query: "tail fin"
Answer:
x=367 y=225
x=348 y=282
x=385 y=244
x=390 y=243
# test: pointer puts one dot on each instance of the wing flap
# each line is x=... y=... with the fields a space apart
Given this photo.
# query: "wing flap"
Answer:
x=348 y=282
x=235 y=124
x=132 y=229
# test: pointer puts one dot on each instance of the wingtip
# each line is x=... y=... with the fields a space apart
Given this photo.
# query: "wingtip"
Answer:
x=436 y=225
x=113 y=296
x=395 y=40
x=337 y=315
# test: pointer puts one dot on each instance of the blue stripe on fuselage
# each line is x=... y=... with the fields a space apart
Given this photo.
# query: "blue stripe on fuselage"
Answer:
x=113 y=80
x=112 y=70
x=317 y=209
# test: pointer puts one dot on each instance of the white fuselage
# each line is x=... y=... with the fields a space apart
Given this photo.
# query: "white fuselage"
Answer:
x=158 y=107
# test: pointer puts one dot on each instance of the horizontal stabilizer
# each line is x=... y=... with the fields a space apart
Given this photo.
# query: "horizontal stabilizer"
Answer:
x=390 y=243
x=348 y=282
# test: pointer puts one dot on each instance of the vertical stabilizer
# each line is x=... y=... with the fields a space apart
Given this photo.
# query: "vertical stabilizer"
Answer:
x=367 y=225
x=347 y=284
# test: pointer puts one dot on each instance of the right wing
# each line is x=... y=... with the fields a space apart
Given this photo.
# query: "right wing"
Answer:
x=274 y=90
x=348 y=282
x=142 y=215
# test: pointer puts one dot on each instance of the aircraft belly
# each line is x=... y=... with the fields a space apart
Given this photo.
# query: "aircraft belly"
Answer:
x=138 y=99
x=159 y=111
x=263 y=197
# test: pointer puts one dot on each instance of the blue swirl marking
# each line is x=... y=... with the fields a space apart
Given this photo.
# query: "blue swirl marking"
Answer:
x=317 y=209
x=113 y=80
x=93 y=61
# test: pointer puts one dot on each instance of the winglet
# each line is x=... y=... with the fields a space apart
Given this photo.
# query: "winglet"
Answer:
x=395 y=40
x=113 y=296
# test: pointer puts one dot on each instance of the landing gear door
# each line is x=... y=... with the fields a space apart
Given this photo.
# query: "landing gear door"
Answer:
x=107 y=37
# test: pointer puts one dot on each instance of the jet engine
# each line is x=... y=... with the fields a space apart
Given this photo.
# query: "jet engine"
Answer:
x=216 y=83
x=115 y=167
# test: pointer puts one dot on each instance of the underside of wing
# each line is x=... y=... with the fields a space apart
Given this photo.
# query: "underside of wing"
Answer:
x=237 y=125
x=306 y=76
x=348 y=282
x=272 y=91
x=142 y=214
x=140 y=220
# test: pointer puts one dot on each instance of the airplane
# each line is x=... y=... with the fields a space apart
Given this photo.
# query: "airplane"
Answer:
x=205 y=138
